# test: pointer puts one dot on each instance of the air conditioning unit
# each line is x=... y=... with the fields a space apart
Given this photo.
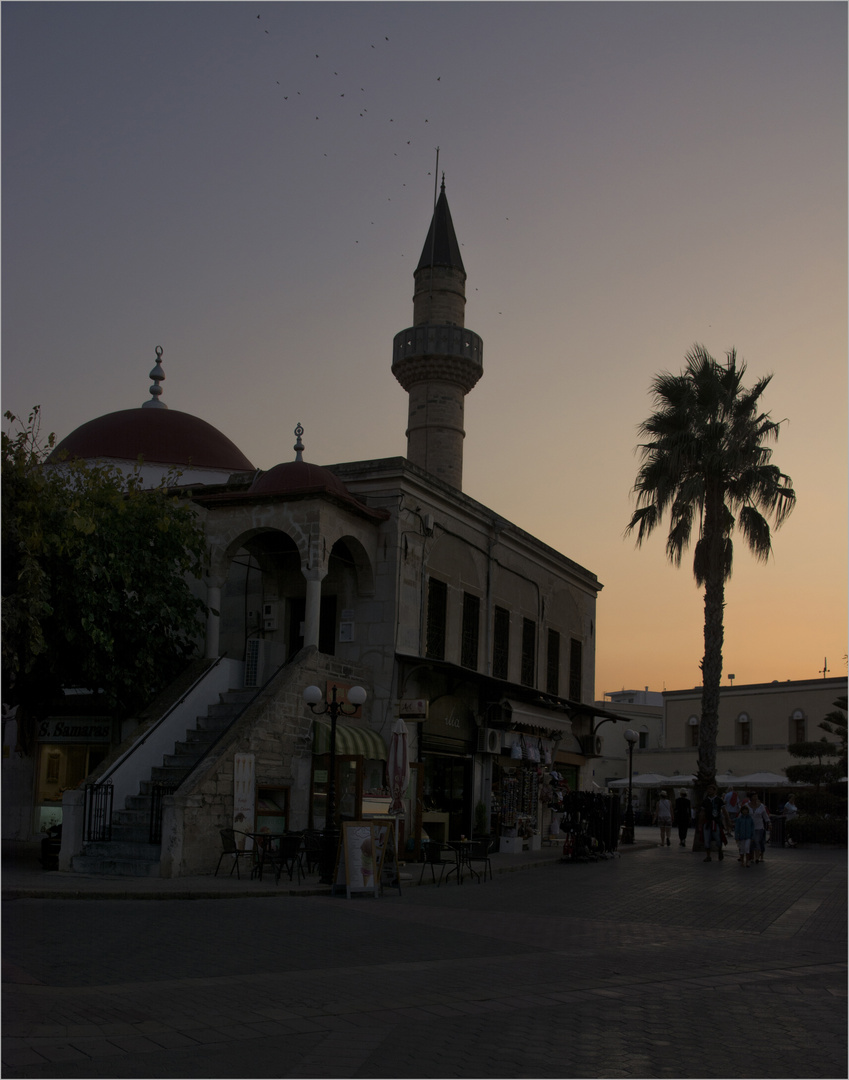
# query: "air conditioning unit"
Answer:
x=489 y=741
x=591 y=745
x=262 y=658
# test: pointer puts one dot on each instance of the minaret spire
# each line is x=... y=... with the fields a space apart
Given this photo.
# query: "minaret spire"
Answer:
x=437 y=360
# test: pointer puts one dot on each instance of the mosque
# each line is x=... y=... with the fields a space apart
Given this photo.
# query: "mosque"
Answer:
x=382 y=574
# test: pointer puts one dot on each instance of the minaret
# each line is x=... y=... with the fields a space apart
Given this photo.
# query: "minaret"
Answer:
x=437 y=361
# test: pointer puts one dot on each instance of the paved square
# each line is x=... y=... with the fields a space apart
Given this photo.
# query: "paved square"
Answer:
x=653 y=964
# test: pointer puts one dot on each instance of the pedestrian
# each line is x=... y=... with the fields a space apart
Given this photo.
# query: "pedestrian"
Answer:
x=683 y=815
x=760 y=816
x=791 y=810
x=744 y=829
x=732 y=804
x=714 y=817
x=663 y=818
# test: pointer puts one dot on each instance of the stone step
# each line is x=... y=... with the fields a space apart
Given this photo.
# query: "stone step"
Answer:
x=169 y=774
x=223 y=711
x=104 y=864
x=238 y=697
x=123 y=849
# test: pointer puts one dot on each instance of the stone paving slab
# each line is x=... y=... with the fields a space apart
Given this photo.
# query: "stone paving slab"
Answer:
x=632 y=967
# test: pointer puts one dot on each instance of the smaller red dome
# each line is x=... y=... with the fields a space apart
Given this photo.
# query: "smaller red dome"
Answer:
x=299 y=478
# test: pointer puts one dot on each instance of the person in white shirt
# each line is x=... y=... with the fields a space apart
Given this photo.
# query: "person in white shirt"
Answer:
x=762 y=823
x=663 y=818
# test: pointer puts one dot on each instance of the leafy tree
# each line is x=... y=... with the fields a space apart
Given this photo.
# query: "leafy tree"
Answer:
x=96 y=573
x=705 y=463
x=835 y=724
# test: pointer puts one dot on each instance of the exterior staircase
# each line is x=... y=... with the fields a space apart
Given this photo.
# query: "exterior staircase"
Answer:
x=130 y=851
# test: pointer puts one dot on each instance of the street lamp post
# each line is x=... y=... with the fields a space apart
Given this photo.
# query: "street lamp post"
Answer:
x=628 y=832
x=313 y=696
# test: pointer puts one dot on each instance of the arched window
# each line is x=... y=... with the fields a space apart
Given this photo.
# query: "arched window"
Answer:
x=798 y=727
x=693 y=728
x=744 y=730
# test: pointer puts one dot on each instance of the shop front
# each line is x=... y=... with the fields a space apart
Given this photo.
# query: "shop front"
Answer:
x=447 y=741
x=69 y=749
x=361 y=783
x=535 y=768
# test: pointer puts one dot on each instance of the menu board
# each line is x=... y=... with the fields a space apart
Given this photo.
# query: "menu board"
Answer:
x=367 y=860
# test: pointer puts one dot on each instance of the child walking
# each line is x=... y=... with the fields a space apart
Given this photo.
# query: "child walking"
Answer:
x=744 y=830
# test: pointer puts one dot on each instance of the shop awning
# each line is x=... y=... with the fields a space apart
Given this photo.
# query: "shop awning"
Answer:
x=349 y=740
x=534 y=716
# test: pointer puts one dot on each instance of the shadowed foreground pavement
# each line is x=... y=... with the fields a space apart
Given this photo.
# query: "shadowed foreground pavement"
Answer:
x=654 y=964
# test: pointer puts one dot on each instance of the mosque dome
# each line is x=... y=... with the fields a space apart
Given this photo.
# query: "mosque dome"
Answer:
x=294 y=479
x=299 y=478
x=161 y=436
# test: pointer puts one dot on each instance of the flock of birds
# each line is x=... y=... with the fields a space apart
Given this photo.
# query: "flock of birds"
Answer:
x=324 y=95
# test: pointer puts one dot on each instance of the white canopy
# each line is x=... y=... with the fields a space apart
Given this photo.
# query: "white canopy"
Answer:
x=768 y=779
x=647 y=780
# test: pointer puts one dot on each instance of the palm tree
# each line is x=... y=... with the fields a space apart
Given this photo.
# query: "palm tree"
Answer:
x=704 y=461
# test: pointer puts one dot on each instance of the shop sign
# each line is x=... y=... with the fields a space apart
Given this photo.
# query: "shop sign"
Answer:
x=412 y=708
x=75 y=729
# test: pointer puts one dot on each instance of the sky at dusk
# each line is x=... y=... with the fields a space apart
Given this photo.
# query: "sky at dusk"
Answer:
x=249 y=185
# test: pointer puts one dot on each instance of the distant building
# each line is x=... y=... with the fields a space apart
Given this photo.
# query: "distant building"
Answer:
x=756 y=723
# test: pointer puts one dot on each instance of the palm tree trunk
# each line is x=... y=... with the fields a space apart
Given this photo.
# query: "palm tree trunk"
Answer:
x=711 y=679
x=713 y=636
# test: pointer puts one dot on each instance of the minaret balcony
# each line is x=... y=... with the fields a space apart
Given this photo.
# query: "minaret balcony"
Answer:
x=448 y=341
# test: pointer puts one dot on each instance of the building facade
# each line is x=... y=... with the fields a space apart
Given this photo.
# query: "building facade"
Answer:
x=382 y=573
x=756 y=723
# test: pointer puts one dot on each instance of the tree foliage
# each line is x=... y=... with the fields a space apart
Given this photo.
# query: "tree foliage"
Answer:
x=824 y=760
x=96 y=573
x=706 y=467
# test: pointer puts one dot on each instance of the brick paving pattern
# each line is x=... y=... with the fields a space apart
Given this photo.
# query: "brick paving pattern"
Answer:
x=649 y=965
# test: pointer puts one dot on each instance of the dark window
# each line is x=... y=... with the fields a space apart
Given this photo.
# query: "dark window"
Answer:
x=745 y=734
x=575 y=663
x=644 y=739
x=500 y=643
x=437 y=605
x=694 y=734
x=529 y=634
x=552 y=668
x=471 y=625
x=798 y=729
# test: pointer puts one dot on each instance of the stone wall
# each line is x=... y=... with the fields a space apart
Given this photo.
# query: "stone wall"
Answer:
x=276 y=729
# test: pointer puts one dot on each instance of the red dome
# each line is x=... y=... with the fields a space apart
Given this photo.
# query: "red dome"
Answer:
x=299 y=478
x=160 y=436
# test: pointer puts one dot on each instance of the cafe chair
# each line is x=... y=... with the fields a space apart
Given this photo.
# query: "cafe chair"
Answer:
x=231 y=850
x=478 y=853
x=312 y=849
x=285 y=854
x=433 y=857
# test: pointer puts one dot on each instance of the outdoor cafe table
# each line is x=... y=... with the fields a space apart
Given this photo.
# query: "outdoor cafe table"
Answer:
x=278 y=850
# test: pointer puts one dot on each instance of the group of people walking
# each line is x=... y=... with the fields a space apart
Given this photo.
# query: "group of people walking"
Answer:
x=747 y=818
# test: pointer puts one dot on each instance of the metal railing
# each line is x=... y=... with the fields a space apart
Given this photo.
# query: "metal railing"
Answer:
x=159 y=789
x=98 y=812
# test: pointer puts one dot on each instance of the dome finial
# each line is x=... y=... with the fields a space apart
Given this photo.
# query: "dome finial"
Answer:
x=158 y=376
x=442 y=188
x=299 y=446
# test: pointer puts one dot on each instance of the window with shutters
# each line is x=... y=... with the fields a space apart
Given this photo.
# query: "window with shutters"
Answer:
x=437 y=608
x=470 y=634
x=529 y=633
x=500 y=643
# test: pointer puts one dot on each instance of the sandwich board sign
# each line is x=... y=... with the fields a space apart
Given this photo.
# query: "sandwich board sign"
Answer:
x=367 y=860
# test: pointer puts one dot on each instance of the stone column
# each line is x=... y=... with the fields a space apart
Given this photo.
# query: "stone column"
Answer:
x=312 y=617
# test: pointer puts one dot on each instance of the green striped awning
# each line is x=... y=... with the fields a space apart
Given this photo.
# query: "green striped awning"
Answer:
x=349 y=740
